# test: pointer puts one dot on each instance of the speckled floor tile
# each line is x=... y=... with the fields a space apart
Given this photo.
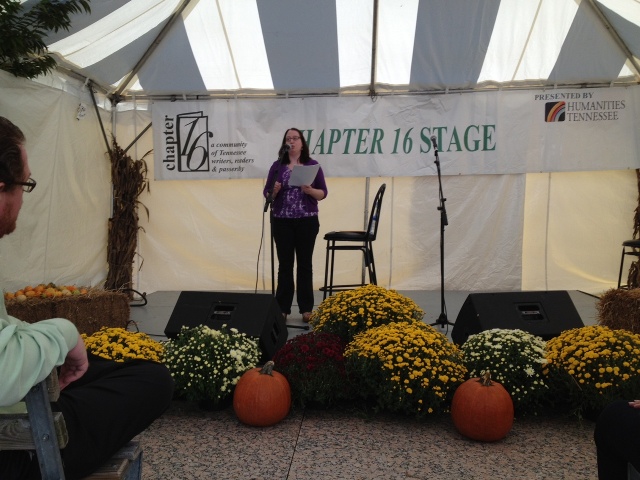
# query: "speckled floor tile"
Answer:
x=402 y=448
x=188 y=443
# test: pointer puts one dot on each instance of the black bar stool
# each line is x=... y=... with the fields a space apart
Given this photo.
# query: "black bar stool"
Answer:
x=353 y=240
x=634 y=245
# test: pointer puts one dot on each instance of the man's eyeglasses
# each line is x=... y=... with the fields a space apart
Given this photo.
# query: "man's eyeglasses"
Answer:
x=292 y=139
x=27 y=186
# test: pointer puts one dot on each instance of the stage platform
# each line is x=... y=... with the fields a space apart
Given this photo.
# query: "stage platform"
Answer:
x=152 y=318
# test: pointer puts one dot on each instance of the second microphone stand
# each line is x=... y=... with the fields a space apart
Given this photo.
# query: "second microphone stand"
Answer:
x=442 y=319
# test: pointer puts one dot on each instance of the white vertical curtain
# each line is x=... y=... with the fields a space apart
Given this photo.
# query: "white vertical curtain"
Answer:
x=506 y=232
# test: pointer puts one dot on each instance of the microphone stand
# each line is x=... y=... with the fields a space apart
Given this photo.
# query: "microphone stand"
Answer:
x=268 y=202
x=442 y=319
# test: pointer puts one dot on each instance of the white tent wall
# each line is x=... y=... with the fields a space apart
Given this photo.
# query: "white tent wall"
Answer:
x=575 y=224
x=505 y=232
x=61 y=233
x=209 y=235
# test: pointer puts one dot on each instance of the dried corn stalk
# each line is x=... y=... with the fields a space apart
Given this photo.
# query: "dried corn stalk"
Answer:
x=129 y=178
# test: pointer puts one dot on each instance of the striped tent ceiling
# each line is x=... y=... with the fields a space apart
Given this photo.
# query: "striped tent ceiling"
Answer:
x=158 y=48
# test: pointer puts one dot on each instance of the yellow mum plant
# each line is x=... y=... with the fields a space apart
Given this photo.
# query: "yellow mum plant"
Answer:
x=593 y=365
x=353 y=311
x=120 y=345
x=405 y=367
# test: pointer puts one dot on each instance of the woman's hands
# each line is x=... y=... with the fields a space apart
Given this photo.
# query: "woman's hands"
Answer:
x=306 y=189
x=313 y=192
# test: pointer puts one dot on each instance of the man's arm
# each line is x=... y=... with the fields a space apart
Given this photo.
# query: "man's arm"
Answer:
x=28 y=353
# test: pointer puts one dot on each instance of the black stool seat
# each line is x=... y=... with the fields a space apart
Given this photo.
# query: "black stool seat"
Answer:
x=353 y=240
x=347 y=236
x=634 y=245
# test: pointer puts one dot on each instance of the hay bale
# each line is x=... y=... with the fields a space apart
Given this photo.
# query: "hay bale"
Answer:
x=31 y=310
x=89 y=312
x=620 y=309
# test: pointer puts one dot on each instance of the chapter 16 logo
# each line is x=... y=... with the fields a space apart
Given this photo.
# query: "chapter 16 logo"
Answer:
x=187 y=142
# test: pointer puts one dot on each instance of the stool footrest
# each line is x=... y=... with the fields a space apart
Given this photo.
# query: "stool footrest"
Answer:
x=339 y=288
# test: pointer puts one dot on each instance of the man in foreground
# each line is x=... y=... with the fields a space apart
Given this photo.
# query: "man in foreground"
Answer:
x=104 y=403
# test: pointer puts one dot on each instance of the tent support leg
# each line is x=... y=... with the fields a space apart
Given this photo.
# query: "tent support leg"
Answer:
x=95 y=106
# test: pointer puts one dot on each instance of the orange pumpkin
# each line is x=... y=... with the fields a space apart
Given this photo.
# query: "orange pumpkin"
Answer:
x=262 y=397
x=482 y=409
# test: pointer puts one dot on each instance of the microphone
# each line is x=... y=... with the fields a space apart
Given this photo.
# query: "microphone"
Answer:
x=283 y=149
x=434 y=142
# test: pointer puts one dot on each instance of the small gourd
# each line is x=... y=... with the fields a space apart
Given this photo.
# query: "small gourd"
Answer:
x=262 y=397
x=482 y=409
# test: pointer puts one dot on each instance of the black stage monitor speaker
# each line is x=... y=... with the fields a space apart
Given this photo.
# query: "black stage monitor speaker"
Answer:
x=546 y=314
x=255 y=314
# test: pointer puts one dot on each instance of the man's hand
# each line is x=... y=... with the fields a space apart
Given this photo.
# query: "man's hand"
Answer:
x=75 y=365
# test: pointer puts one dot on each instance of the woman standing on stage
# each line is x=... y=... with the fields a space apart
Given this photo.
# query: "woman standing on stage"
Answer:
x=295 y=222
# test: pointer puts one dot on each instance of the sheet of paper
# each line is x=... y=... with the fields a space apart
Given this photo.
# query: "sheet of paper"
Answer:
x=303 y=175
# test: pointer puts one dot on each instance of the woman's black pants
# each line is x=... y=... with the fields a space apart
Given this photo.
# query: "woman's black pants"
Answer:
x=295 y=239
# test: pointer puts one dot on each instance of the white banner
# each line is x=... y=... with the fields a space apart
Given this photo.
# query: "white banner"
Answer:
x=476 y=133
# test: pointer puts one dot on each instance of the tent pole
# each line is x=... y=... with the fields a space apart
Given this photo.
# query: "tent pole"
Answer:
x=95 y=106
x=152 y=47
x=616 y=37
x=138 y=137
x=374 y=48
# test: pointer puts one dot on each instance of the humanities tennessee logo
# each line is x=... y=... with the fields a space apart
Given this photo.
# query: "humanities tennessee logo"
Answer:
x=187 y=142
x=554 y=111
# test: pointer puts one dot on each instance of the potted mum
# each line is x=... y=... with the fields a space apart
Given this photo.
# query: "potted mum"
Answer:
x=120 y=345
x=406 y=367
x=353 y=311
x=591 y=366
x=206 y=364
x=314 y=365
x=515 y=358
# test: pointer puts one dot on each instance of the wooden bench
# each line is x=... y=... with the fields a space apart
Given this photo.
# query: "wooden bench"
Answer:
x=45 y=431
